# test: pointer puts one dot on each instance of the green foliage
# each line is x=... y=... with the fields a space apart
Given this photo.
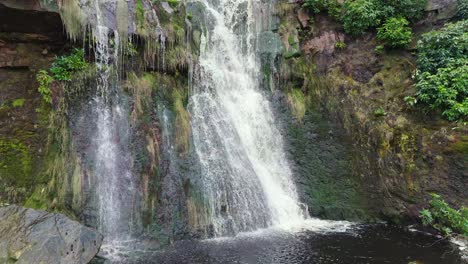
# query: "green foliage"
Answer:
x=438 y=48
x=38 y=200
x=442 y=217
x=173 y=3
x=412 y=10
x=298 y=103
x=182 y=122
x=446 y=90
x=379 y=49
x=45 y=80
x=442 y=77
x=333 y=7
x=62 y=69
x=360 y=15
x=340 y=45
x=18 y=102
x=64 y=66
x=130 y=49
x=380 y=112
x=395 y=32
x=462 y=9
x=140 y=13
x=426 y=217
x=315 y=6
x=410 y=100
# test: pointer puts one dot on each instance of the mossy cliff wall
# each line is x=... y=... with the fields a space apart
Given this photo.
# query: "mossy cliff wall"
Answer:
x=380 y=157
x=45 y=148
x=24 y=50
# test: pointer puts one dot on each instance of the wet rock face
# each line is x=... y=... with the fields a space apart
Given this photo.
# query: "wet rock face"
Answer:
x=31 y=236
x=382 y=166
x=29 y=41
x=441 y=9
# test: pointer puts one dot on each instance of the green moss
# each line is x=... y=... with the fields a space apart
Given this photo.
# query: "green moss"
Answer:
x=291 y=40
x=18 y=102
x=298 y=103
x=173 y=3
x=141 y=89
x=324 y=165
x=140 y=14
x=291 y=54
x=461 y=146
x=182 y=122
x=16 y=162
x=38 y=199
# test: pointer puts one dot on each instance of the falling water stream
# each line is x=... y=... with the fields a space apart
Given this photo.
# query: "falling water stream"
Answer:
x=115 y=188
x=246 y=176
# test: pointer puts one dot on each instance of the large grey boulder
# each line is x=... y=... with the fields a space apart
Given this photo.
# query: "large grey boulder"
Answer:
x=30 y=236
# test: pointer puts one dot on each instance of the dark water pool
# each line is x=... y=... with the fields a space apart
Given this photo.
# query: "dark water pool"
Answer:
x=363 y=244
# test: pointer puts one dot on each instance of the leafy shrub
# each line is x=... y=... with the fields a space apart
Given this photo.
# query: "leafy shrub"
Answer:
x=409 y=9
x=315 y=6
x=333 y=7
x=439 y=47
x=395 y=32
x=462 y=6
x=62 y=69
x=360 y=15
x=446 y=90
x=442 y=76
x=45 y=80
x=64 y=66
x=442 y=217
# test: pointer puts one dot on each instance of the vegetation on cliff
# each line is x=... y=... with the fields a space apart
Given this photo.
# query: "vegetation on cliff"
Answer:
x=360 y=16
x=442 y=77
x=63 y=69
x=444 y=218
x=400 y=150
x=442 y=54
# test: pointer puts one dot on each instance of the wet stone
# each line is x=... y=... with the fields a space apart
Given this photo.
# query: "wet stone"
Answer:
x=33 y=236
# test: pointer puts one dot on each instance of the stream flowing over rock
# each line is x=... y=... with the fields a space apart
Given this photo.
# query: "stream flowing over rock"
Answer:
x=31 y=236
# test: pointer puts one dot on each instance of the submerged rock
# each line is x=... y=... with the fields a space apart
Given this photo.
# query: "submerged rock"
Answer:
x=32 y=236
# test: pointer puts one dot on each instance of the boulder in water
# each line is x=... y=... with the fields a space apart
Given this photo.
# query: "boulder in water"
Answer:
x=32 y=236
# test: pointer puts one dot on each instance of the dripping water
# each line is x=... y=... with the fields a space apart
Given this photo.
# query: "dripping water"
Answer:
x=114 y=183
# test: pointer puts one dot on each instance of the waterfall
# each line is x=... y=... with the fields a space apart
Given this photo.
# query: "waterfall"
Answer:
x=114 y=184
x=246 y=177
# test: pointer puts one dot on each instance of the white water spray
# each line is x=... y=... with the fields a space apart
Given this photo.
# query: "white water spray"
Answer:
x=246 y=176
x=115 y=190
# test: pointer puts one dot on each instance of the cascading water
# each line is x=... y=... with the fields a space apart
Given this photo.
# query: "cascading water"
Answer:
x=114 y=188
x=245 y=173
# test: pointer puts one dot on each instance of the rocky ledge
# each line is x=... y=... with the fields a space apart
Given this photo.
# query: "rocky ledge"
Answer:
x=32 y=236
